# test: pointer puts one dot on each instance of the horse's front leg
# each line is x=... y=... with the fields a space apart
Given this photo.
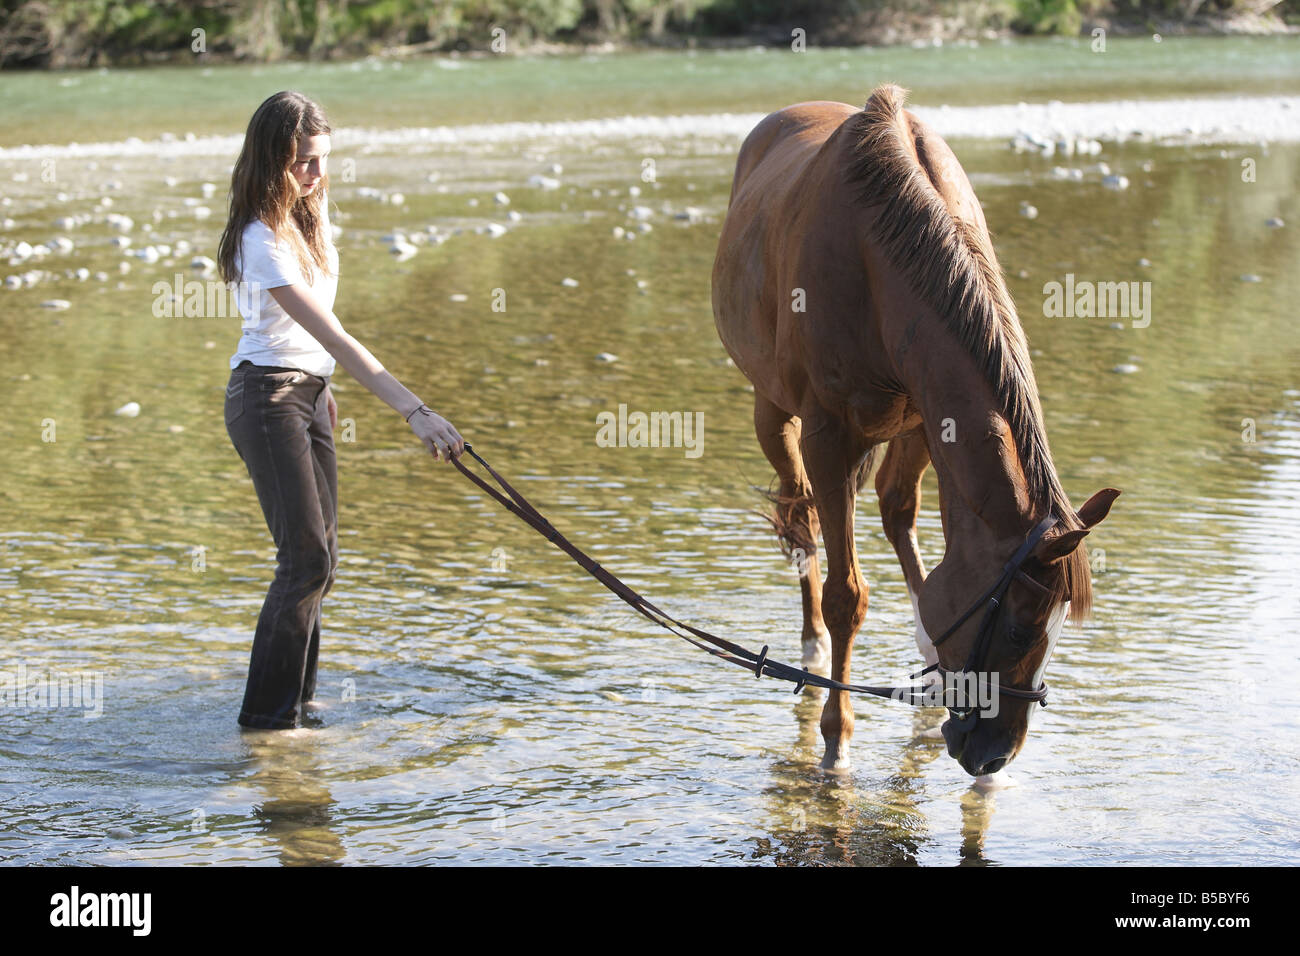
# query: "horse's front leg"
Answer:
x=831 y=455
x=898 y=485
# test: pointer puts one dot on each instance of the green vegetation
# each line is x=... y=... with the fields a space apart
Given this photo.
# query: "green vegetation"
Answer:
x=68 y=33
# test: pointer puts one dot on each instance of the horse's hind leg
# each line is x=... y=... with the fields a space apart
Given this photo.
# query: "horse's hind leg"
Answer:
x=898 y=485
x=834 y=457
x=795 y=519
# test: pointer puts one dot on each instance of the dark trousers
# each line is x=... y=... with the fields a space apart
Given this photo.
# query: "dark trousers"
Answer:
x=278 y=420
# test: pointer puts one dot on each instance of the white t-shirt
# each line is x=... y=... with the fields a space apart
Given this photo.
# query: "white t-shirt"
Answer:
x=270 y=335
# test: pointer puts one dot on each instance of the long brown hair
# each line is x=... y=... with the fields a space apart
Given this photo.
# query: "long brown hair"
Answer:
x=262 y=186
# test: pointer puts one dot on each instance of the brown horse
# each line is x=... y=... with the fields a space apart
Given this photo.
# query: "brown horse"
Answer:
x=857 y=288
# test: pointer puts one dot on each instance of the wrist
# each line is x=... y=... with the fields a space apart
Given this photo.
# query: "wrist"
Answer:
x=409 y=415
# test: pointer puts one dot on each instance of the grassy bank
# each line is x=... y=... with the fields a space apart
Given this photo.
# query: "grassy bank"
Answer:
x=80 y=33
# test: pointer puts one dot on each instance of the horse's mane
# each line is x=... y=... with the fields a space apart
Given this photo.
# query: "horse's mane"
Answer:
x=951 y=264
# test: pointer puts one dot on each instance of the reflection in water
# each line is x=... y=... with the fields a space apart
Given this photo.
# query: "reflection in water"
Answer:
x=820 y=817
x=976 y=815
x=296 y=812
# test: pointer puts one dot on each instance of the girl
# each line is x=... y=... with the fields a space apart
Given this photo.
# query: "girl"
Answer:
x=279 y=250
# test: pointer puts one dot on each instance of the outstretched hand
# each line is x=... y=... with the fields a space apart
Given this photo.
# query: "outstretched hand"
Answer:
x=438 y=434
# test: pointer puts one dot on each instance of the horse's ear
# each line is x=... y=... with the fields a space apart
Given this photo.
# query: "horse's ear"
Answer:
x=1055 y=547
x=1097 y=507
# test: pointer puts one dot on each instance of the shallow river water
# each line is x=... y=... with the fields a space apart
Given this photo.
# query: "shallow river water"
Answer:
x=484 y=701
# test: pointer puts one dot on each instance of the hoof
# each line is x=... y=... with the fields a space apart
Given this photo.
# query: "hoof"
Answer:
x=836 y=757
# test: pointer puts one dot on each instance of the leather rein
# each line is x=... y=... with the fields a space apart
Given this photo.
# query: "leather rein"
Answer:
x=759 y=663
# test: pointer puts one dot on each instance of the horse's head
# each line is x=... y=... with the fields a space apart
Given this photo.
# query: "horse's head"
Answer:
x=994 y=659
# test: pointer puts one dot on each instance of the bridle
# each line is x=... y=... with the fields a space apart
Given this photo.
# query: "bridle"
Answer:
x=965 y=718
x=759 y=663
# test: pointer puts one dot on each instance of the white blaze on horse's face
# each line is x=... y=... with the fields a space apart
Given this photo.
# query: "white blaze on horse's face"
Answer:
x=923 y=643
x=1055 y=624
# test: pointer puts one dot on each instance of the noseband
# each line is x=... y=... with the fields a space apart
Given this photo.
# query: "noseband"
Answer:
x=965 y=718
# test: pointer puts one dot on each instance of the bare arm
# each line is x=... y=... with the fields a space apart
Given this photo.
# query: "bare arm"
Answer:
x=438 y=434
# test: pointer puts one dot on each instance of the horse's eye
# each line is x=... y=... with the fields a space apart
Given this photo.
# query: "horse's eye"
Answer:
x=1020 y=637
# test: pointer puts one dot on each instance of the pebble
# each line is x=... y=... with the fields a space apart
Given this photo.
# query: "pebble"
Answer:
x=203 y=265
x=501 y=199
x=1250 y=277
x=606 y=357
x=129 y=410
x=458 y=297
x=1115 y=182
x=543 y=182
x=1125 y=369
x=1275 y=223
x=1028 y=211
x=570 y=282
x=641 y=212
x=495 y=230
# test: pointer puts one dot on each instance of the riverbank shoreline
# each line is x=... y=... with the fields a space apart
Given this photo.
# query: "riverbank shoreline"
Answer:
x=1053 y=129
x=873 y=28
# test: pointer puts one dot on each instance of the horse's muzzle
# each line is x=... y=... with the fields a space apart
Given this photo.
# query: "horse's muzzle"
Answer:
x=978 y=757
